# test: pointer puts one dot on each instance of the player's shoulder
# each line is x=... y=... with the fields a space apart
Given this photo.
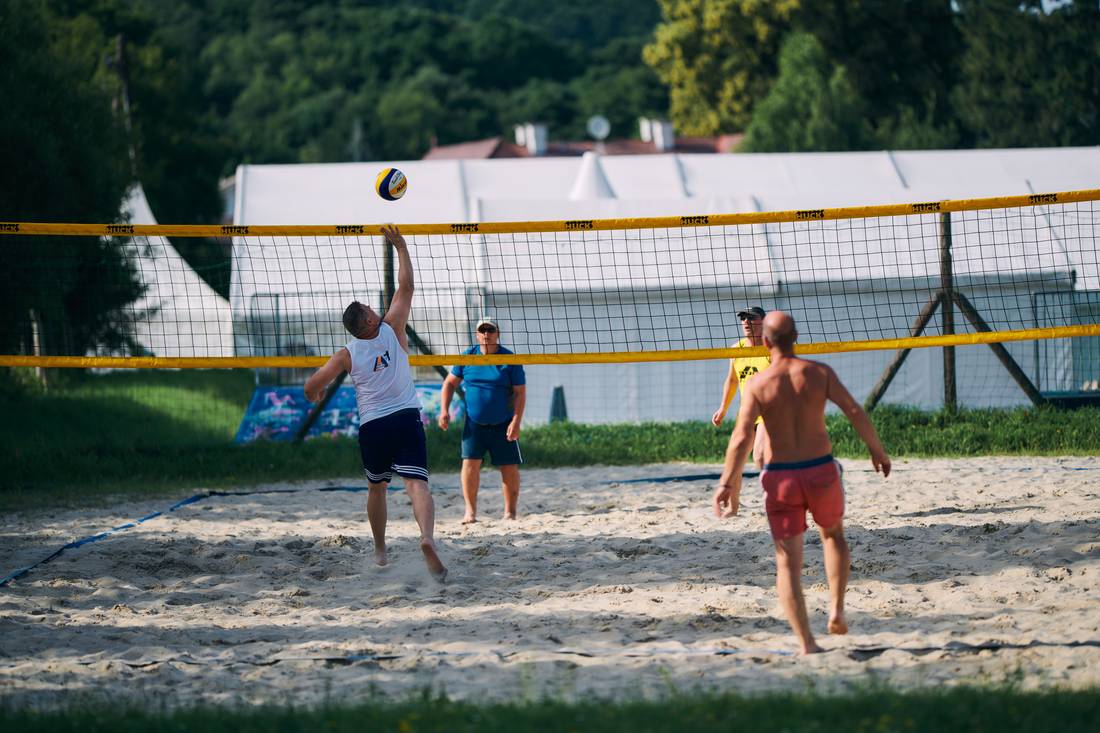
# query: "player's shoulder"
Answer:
x=818 y=368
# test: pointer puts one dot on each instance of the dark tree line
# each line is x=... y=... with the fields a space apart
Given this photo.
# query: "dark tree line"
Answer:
x=215 y=83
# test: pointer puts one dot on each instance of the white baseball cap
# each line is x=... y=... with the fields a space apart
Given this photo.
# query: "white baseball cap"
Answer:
x=486 y=321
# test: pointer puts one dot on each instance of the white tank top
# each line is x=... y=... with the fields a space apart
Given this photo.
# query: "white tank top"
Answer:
x=381 y=375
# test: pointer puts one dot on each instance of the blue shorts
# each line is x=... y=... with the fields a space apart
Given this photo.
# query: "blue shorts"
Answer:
x=478 y=438
x=393 y=444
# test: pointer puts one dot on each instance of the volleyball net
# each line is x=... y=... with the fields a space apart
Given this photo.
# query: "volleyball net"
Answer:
x=1022 y=271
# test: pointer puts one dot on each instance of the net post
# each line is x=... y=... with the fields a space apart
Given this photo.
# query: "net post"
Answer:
x=892 y=369
x=947 y=288
x=387 y=273
x=424 y=348
x=317 y=409
x=1001 y=352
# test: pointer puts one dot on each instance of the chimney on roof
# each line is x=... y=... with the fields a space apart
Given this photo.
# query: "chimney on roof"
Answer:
x=645 y=129
x=664 y=137
x=532 y=136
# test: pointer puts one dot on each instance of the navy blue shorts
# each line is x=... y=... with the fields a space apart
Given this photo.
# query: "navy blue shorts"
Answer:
x=394 y=444
x=478 y=438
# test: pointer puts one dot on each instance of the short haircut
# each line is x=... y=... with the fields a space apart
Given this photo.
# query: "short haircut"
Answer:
x=783 y=340
x=355 y=316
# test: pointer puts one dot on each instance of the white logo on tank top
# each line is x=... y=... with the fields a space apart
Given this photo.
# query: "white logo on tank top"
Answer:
x=381 y=375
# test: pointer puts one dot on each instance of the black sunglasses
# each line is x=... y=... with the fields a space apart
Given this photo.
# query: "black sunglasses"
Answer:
x=487 y=329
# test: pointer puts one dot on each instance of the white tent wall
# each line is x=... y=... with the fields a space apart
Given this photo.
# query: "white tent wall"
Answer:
x=181 y=314
x=843 y=280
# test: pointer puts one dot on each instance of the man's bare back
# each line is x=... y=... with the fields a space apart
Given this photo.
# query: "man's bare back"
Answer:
x=791 y=396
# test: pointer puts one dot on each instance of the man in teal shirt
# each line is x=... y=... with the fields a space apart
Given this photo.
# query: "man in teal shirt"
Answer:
x=495 y=398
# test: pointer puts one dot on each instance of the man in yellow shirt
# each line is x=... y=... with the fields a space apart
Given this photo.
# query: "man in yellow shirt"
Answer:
x=742 y=370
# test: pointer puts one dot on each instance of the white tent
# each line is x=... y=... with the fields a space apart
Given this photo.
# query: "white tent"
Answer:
x=644 y=289
x=179 y=314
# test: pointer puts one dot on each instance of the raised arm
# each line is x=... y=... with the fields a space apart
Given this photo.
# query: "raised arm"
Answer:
x=842 y=398
x=322 y=378
x=398 y=313
x=727 y=496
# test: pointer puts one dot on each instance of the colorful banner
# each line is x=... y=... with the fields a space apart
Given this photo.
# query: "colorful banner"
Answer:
x=276 y=413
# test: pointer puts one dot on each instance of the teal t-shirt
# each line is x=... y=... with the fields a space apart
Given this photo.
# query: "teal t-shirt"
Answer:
x=489 y=388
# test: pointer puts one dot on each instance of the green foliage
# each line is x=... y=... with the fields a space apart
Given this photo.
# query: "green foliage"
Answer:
x=66 y=161
x=901 y=57
x=943 y=74
x=811 y=106
x=1030 y=78
x=870 y=708
x=174 y=429
x=718 y=58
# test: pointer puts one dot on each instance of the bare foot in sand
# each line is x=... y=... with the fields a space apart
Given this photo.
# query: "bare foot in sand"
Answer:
x=435 y=566
x=509 y=515
x=838 y=624
x=469 y=519
x=812 y=648
x=380 y=558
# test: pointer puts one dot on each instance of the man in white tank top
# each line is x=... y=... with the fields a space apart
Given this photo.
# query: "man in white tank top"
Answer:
x=391 y=435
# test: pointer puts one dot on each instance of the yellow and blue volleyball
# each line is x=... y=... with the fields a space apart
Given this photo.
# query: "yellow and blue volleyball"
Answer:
x=391 y=184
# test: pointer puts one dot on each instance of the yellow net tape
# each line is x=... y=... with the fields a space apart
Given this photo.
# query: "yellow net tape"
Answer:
x=575 y=225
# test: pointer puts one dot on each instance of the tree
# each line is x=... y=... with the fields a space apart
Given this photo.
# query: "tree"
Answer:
x=718 y=58
x=1030 y=78
x=902 y=56
x=812 y=106
x=620 y=87
x=68 y=162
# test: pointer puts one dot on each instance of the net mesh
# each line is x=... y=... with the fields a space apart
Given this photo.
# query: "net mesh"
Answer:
x=635 y=292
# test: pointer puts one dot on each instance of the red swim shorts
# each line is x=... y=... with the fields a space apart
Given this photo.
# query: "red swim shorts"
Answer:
x=790 y=489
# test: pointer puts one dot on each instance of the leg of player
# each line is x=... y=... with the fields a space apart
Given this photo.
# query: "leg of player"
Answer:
x=376 y=515
x=788 y=583
x=760 y=446
x=471 y=482
x=838 y=560
x=424 y=511
x=509 y=479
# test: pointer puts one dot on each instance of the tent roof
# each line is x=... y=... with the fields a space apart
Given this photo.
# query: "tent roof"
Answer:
x=655 y=185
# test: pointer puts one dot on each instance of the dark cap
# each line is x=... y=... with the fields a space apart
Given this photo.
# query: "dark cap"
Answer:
x=754 y=311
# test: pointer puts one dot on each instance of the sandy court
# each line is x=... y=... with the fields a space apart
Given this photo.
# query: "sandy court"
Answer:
x=611 y=583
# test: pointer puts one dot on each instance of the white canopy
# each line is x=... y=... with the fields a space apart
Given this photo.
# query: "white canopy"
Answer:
x=179 y=314
x=637 y=285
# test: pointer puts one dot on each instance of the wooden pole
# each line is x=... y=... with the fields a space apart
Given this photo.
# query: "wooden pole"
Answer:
x=947 y=288
x=387 y=273
x=1001 y=352
x=891 y=371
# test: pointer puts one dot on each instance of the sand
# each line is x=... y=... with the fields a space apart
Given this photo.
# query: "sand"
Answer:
x=606 y=586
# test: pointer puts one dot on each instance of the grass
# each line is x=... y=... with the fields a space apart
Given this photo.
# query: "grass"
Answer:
x=868 y=711
x=154 y=432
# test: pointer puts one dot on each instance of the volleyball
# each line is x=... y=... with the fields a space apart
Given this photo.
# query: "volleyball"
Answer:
x=391 y=184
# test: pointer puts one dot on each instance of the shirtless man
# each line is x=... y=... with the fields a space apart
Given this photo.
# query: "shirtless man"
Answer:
x=391 y=436
x=800 y=473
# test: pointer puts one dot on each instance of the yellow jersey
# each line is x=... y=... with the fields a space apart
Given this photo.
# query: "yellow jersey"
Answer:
x=747 y=367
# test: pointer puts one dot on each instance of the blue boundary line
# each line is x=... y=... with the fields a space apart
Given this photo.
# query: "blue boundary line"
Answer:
x=16 y=574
